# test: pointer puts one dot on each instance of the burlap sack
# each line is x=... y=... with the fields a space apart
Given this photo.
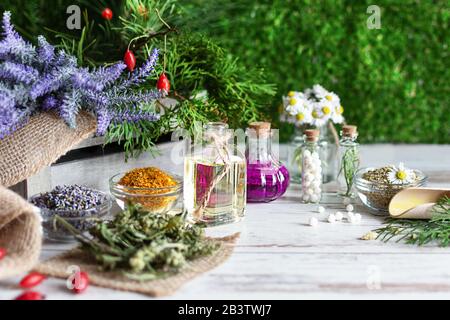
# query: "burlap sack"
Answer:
x=20 y=234
x=58 y=267
x=40 y=143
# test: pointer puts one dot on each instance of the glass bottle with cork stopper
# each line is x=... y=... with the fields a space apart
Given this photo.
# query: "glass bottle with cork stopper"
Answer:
x=348 y=160
x=311 y=190
x=267 y=177
x=214 y=187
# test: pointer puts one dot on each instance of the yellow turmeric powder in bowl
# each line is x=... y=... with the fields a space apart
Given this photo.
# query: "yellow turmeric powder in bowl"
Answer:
x=150 y=177
x=153 y=188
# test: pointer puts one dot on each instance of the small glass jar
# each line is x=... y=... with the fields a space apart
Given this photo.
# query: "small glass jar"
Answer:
x=267 y=178
x=214 y=187
x=311 y=187
x=349 y=160
x=294 y=155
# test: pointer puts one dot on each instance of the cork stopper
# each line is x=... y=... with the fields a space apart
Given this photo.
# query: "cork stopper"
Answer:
x=349 y=131
x=261 y=128
x=312 y=135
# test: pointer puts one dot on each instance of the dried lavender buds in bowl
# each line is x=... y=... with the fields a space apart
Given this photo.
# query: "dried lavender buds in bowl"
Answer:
x=377 y=186
x=78 y=205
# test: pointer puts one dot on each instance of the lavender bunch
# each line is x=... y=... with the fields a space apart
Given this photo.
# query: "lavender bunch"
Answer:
x=34 y=79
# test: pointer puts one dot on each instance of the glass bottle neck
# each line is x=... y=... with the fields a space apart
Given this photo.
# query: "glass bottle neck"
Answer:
x=259 y=150
x=311 y=145
x=348 y=140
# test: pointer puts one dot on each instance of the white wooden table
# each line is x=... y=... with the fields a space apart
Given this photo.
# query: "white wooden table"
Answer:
x=278 y=256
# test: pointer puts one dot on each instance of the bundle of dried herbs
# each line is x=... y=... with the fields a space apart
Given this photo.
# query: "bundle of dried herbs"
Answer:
x=144 y=246
x=420 y=232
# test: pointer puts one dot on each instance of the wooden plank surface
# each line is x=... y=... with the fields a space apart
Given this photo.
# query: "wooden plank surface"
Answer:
x=278 y=256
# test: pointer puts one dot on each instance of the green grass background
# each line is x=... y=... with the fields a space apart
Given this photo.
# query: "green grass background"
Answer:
x=394 y=82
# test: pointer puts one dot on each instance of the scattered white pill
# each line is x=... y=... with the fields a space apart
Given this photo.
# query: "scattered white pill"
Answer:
x=353 y=220
x=313 y=222
x=321 y=209
x=358 y=217
x=349 y=208
x=331 y=218
x=338 y=215
x=346 y=201
x=314 y=198
x=349 y=216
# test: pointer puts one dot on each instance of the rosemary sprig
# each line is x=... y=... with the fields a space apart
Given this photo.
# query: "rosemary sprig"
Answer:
x=143 y=245
x=420 y=232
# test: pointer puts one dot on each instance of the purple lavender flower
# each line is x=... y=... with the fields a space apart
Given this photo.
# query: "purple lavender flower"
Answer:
x=50 y=103
x=8 y=29
x=135 y=98
x=51 y=82
x=13 y=45
x=107 y=76
x=143 y=72
x=10 y=118
x=134 y=116
x=82 y=79
x=69 y=107
x=46 y=52
x=7 y=108
x=104 y=118
x=18 y=72
x=40 y=79
x=149 y=66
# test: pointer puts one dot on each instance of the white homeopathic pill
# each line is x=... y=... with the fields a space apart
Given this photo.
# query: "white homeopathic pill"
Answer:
x=346 y=201
x=313 y=222
x=331 y=218
x=338 y=215
x=358 y=217
x=349 y=208
x=353 y=220
x=349 y=216
x=321 y=209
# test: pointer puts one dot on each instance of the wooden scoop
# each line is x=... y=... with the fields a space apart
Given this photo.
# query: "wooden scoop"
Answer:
x=415 y=203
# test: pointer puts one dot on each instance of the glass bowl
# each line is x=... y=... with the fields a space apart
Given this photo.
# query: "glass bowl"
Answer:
x=82 y=220
x=377 y=195
x=155 y=200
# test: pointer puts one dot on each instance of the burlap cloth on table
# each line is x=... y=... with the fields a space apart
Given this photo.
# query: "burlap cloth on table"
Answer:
x=44 y=139
x=20 y=234
x=59 y=267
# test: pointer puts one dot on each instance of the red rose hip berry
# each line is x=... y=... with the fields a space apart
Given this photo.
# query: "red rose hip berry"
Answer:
x=30 y=295
x=107 y=14
x=130 y=60
x=2 y=253
x=31 y=280
x=163 y=83
x=80 y=282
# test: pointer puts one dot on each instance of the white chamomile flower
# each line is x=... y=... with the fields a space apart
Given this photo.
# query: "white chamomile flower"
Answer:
x=401 y=175
x=337 y=118
x=318 y=117
x=325 y=108
x=332 y=97
x=319 y=91
x=303 y=117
